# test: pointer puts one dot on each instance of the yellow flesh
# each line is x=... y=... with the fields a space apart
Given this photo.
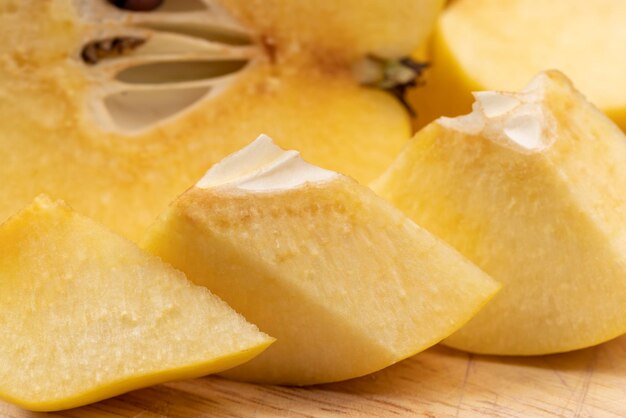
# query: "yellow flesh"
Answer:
x=549 y=225
x=306 y=98
x=499 y=45
x=350 y=28
x=86 y=315
x=345 y=282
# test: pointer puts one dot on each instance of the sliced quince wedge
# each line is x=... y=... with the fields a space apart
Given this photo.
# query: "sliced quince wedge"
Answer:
x=500 y=45
x=530 y=187
x=135 y=99
x=86 y=315
x=344 y=281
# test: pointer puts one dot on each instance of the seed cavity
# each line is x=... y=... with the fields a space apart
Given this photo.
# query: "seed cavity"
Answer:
x=496 y=104
x=519 y=121
x=201 y=30
x=132 y=111
x=526 y=130
x=178 y=71
x=154 y=60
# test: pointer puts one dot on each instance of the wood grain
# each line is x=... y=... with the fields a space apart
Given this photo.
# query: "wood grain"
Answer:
x=440 y=382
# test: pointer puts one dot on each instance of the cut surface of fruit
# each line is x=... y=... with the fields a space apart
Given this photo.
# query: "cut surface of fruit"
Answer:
x=499 y=45
x=345 y=282
x=136 y=105
x=86 y=315
x=530 y=187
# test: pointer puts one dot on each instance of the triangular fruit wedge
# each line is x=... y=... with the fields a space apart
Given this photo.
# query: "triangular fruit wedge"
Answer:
x=500 y=45
x=344 y=281
x=531 y=187
x=86 y=315
x=135 y=99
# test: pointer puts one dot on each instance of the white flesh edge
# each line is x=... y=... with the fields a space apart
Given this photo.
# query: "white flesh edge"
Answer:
x=519 y=121
x=264 y=167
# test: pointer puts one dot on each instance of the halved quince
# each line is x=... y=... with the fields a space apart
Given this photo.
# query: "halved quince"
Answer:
x=499 y=45
x=344 y=281
x=530 y=187
x=110 y=108
x=85 y=315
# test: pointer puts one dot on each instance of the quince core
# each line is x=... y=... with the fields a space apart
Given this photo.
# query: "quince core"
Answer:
x=115 y=109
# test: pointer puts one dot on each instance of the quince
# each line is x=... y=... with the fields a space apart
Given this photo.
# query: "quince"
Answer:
x=345 y=282
x=530 y=187
x=118 y=106
x=86 y=315
x=499 y=45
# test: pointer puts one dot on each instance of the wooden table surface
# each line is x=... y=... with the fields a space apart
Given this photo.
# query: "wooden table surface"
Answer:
x=440 y=382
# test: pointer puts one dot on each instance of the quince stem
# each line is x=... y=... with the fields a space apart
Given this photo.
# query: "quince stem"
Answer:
x=394 y=75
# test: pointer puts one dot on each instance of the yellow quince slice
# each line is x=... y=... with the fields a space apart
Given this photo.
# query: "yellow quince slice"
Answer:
x=345 y=282
x=86 y=315
x=530 y=187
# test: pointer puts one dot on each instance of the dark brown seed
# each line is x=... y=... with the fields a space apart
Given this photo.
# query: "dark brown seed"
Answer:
x=137 y=5
x=95 y=51
x=89 y=54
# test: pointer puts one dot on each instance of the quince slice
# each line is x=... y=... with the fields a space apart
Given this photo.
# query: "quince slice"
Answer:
x=530 y=187
x=345 y=282
x=86 y=315
x=135 y=105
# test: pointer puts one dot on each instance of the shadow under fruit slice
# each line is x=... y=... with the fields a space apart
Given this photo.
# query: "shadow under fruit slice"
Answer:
x=530 y=187
x=86 y=315
x=108 y=107
x=345 y=282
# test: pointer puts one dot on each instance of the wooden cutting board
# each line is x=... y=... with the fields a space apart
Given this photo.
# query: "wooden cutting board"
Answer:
x=438 y=383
